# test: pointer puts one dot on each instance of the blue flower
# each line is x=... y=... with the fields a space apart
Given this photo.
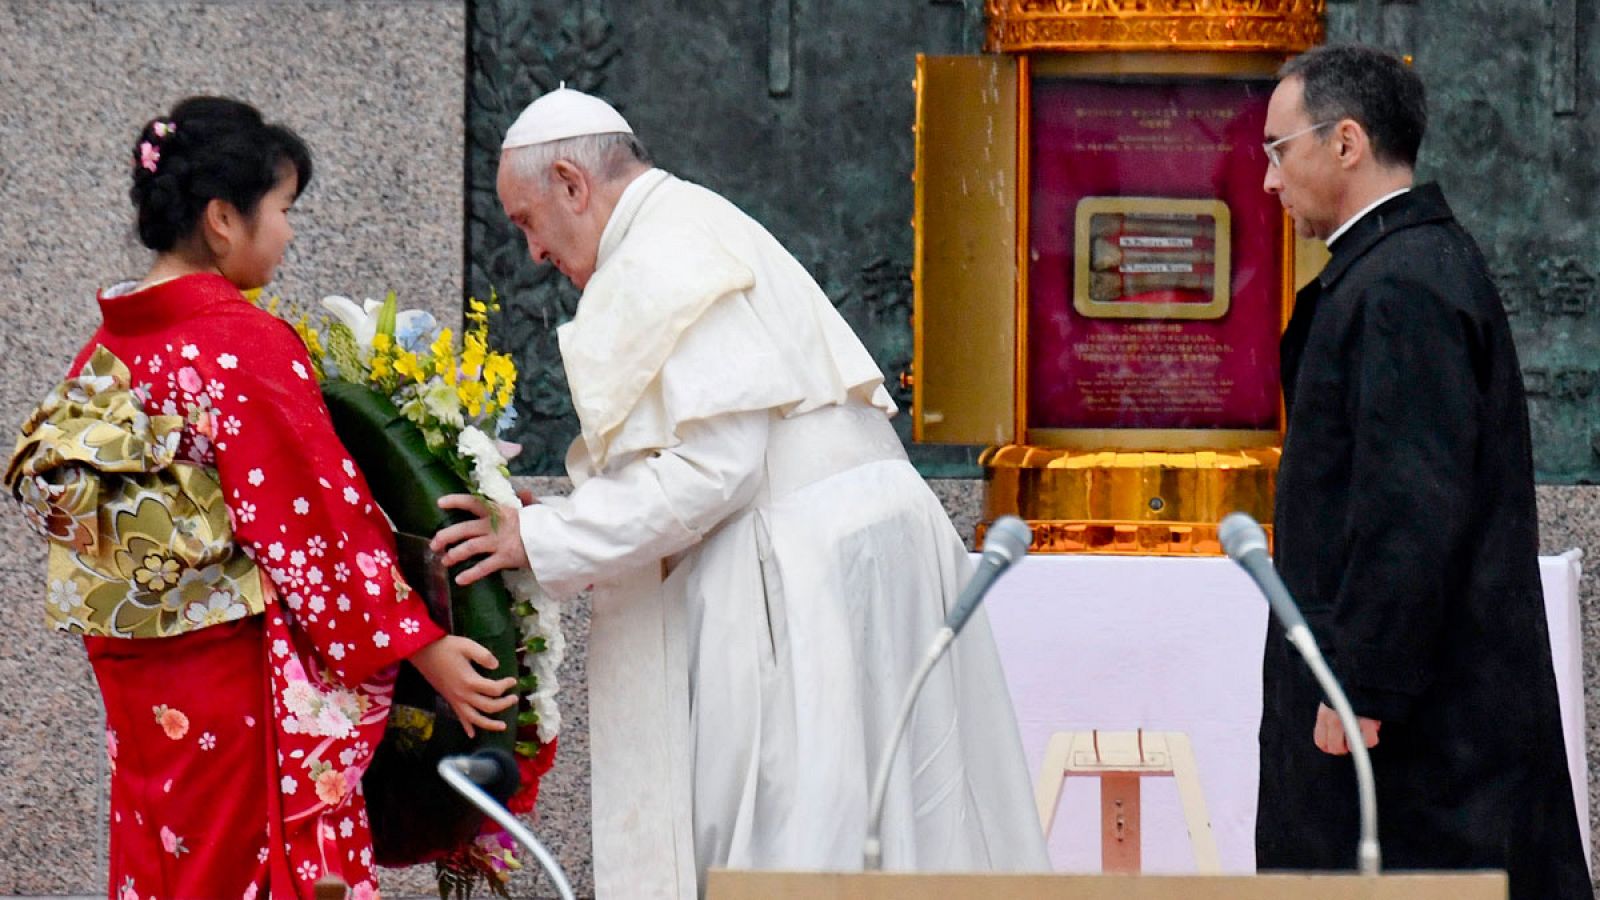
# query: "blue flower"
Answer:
x=415 y=330
x=508 y=420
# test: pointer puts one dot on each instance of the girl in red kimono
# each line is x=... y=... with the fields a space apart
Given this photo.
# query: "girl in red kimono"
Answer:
x=243 y=702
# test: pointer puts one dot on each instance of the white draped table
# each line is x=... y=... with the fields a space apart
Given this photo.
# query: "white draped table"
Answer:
x=1174 y=644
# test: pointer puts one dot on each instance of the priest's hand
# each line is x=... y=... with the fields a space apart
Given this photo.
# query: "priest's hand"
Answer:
x=1329 y=733
x=447 y=663
x=499 y=541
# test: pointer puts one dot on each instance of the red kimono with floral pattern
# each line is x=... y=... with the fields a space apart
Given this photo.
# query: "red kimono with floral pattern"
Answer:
x=237 y=750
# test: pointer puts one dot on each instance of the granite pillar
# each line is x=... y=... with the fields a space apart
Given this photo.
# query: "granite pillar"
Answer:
x=375 y=88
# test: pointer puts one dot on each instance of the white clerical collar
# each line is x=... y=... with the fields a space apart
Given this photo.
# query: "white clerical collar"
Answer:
x=1361 y=215
x=633 y=197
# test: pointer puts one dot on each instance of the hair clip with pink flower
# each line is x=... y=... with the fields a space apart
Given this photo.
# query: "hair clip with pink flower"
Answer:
x=162 y=129
x=149 y=156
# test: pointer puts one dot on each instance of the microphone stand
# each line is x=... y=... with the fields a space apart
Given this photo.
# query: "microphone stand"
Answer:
x=872 y=853
x=1367 y=859
x=453 y=769
x=1245 y=543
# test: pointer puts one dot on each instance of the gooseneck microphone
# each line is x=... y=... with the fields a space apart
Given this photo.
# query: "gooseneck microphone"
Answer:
x=467 y=774
x=492 y=769
x=1246 y=544
x=1006 y=542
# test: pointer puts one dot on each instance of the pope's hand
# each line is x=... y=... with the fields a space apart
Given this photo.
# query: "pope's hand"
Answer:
x=499 y=543
x=1329 y=733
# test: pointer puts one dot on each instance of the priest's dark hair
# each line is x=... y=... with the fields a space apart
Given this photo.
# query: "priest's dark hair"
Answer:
x=208 y=148
x=1378 y=90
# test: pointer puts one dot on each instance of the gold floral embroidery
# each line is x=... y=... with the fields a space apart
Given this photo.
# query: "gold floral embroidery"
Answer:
x=140 y=545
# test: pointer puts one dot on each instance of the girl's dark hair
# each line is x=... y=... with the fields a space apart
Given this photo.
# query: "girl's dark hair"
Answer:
x=207 y=148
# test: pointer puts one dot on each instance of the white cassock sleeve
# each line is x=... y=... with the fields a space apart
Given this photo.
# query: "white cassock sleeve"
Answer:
x=649 y=508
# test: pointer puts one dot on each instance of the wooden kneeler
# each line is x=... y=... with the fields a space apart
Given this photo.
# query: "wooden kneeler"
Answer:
x=1120 y=759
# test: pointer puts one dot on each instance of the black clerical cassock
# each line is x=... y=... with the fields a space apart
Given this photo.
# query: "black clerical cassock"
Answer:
x=1406 y=528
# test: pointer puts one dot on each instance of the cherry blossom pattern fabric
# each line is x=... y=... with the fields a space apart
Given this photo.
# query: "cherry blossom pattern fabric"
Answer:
x=338 y=615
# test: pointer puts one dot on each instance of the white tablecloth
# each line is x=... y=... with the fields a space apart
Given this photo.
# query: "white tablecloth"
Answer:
x=1173 y=644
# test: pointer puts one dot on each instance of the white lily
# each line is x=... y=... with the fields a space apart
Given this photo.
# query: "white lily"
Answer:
x=362 y=320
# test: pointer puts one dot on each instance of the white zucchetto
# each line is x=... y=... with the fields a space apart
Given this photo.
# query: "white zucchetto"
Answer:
x=564 y=113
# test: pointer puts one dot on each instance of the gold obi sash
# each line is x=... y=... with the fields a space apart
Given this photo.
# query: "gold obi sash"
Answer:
x=140 y=544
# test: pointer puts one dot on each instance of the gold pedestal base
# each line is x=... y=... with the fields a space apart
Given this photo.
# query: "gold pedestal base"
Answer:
x=1137 y=503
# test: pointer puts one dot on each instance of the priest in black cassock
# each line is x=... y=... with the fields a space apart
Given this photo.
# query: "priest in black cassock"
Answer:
x=1405 y=520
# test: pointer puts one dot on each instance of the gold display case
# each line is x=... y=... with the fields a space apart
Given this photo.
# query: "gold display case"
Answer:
x=1099 y=279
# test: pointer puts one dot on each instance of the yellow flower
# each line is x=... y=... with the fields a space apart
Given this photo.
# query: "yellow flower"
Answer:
x=500 y=379
x=443 y=345
x=406 y=365
x=382 y=360
x=472 y=355
x=444 y=356
x=471 y=394
x=499 y=368
x=309 y=336
x=313 y=342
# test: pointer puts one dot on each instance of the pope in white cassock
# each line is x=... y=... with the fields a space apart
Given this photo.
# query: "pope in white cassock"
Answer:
x=767 y=567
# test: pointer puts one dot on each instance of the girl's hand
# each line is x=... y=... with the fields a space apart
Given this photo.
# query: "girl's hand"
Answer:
x=447 y=663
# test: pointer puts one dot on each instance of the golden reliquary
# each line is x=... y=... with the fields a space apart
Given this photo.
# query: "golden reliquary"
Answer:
x=1101 y=281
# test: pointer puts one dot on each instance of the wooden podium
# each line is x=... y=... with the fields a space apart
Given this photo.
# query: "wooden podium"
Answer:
x=725 y=884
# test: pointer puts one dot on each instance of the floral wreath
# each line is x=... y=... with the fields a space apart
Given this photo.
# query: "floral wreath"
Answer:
x=459 y=398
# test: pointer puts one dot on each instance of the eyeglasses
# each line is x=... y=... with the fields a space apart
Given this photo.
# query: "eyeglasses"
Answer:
x=1271 y=147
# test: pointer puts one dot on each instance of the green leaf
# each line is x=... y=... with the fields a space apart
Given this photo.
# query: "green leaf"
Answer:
x=407 y=479
x=387 y=313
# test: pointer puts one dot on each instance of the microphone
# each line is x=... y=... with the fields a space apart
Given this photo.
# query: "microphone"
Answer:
x=1007 y=541
x=466 y=773
x=1246 y=544
x=491 y=768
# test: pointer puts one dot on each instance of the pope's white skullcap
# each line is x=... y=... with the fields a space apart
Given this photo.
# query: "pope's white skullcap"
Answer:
x=564 y=113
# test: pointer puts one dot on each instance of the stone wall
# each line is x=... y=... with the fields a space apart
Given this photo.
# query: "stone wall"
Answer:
x=375 y=89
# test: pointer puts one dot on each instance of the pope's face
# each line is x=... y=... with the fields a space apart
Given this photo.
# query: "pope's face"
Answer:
x=1307 y=178
x=550 y=220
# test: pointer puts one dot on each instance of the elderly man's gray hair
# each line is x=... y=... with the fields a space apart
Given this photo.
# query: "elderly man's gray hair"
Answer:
x=606 y=157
